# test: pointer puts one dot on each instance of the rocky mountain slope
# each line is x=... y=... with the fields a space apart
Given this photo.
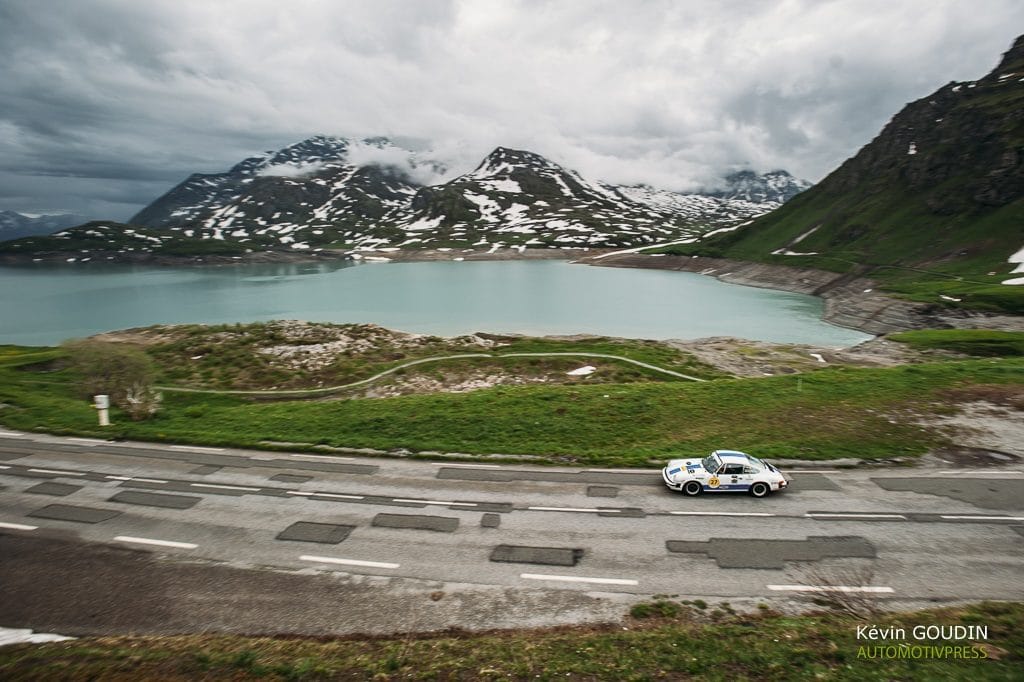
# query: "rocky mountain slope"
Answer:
x=316 y=195
x=932 y=207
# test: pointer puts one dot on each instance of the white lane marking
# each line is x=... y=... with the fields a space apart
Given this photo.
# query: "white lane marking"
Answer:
x=118 y=478
x=88 y=441
x=12 y=434
x=17 y=526
x=339 y=496
x=441 y=502
x=626 y=471
x=689 y=513
x=578 y=579
x=987 y=472
x=57 y=472
x=825 y=515
x=147 y=480
x=159 y=543
x=4 y=466
x=347 y=562
x=831 y=588
x=468 y=466
x=195 y=448
x=810 y=471
x=983 y=518
x=572 y=509
x=224 y=487
x=327 y=457
x=296 y=492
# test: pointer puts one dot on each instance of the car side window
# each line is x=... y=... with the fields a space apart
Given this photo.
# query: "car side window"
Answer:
x=750 y=470
x=733 y=469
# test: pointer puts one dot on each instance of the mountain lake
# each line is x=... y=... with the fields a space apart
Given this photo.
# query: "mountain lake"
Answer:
x=45 y=304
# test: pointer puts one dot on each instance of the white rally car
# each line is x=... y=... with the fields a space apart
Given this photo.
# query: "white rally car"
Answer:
x=723 y=471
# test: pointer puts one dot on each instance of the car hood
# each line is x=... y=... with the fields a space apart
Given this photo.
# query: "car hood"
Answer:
x=683 y=464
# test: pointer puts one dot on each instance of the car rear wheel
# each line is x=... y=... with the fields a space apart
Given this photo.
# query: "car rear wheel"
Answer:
x=760 y=489
x=692 y=488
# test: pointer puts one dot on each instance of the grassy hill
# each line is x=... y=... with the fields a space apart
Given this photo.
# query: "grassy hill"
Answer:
x=933 y=206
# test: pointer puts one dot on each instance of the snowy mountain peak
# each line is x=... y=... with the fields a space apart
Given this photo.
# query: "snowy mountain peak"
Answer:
x=332 y=192
x=776 y=187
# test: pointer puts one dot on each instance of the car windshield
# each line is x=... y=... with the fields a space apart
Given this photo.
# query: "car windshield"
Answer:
x=712 y=463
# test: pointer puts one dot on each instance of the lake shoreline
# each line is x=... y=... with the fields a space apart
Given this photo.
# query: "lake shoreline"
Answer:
x=850 y=301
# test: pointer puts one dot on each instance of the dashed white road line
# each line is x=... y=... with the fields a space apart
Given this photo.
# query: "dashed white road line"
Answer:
x=828 y=515
x=12 y=434
x=148 y=480
x=326 y=457
x=339 y=496
x=88 y=441
x=690 y=513
x=224 y=487
x=347 y=562
x=441 y=502
x=4 y=466
x=578 y=579
x=868 y=589
x=57 y=472
x=195 y=448
x=988 y=472
x=297 y=492
x=573 y=509
x=467 y=466
x=625 y=471
x=118 y=478
x=158 y=543
x=981 y=518
x=17 y=526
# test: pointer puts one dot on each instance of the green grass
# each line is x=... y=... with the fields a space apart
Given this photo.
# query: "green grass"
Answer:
x=830 y=413
x=683 y=645
x=977 y=342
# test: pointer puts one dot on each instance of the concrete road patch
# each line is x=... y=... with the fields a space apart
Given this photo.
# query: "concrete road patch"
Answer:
x=155 y=499
x=755 y=553
x=549 y=556
x=809 y=482
x=602 y=491
x=205 y=469
x=66 y=512
x=443 y=524
x=56 y=489
x=988 y=493
x=290 y=478
x=308 y=531
x=490 y=520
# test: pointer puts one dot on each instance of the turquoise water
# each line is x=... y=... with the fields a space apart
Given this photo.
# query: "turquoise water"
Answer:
x=47 y=304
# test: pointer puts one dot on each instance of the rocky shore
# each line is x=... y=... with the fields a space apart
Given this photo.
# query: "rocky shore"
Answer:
x=850 y=301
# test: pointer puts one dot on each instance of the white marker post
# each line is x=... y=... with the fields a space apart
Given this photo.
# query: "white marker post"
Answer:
x=102 y=406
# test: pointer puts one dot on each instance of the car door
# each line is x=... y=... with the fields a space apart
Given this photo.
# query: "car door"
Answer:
x=734 y=477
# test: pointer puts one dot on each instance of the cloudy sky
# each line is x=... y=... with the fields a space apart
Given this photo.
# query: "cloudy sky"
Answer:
x=109 y=103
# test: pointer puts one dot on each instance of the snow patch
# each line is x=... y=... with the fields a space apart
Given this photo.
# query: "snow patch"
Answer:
x=19 y=636
x=582 y=371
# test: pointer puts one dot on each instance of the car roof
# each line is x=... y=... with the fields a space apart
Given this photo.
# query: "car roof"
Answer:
x=732 y=455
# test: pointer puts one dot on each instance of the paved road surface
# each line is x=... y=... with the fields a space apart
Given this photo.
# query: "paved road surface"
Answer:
x=99 y=537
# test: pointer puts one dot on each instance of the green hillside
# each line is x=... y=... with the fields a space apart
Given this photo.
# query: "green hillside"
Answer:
x=932 y=207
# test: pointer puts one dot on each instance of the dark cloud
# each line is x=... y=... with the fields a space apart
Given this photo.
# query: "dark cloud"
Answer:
x=108 y=103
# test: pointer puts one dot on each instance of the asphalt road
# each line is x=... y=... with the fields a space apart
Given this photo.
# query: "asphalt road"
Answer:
x=100 y=538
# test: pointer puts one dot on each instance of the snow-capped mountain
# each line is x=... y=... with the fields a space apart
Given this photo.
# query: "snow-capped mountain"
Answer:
x=14 y=225
x=318 y=194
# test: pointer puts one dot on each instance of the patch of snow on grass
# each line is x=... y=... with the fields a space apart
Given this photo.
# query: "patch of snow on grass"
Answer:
x=582 y=371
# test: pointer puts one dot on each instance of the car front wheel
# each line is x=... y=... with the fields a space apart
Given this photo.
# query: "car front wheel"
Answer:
x=760 y=489
x=692 y=488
